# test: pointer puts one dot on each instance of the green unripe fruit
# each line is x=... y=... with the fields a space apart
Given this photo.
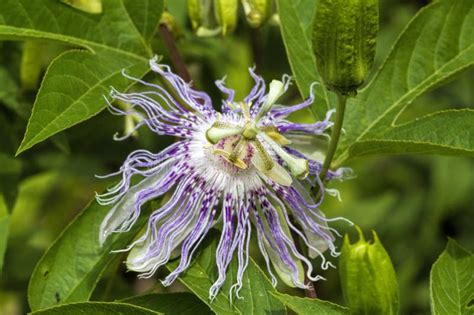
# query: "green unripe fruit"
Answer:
x=344 y=40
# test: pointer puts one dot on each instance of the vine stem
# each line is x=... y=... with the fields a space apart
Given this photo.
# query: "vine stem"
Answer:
x=335 y=134
x=175 y=56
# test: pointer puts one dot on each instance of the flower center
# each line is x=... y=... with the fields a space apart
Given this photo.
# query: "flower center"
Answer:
x=240 y=144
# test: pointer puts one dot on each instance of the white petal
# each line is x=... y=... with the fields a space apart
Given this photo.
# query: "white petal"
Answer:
x=137 y=259
x=123 y=210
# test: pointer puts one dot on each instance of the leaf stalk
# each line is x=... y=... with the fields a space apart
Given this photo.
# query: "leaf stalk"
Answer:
x=335 y=134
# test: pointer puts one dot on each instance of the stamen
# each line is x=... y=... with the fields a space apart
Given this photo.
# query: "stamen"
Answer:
x=267 y=159
x=220 y=131
x=298 y=167
x=277 y=88
x=264 y=163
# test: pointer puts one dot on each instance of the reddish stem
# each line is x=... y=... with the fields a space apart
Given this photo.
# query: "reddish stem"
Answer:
x=173 y=51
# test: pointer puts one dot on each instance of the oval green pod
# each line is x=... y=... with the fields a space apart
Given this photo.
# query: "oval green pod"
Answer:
x=202 y=16
x=368 y=279
x=226 y=14
x=257 y=12
x=344 y=40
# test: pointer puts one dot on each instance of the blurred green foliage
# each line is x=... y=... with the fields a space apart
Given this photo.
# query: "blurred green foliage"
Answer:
x=413 y=202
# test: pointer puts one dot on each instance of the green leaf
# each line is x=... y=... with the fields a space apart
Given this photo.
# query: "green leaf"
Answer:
x=145 y=15
x=256 y=290
x=181 y=303
x=452 y=281
x=424 y=135
x=49 y=19
x=113 y=39
x=71 y=267
x=102 y=308
x=436 y=45
x=307 y=306
x=9 y=91
x=9 y=178
x=4 y=223
x=368 y=279
x=296 y=19
x=74 y=89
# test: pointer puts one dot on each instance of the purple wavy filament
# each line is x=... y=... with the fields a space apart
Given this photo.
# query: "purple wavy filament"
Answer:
x=242 y=168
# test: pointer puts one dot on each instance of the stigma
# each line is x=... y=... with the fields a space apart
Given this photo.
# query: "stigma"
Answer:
x=243 y=141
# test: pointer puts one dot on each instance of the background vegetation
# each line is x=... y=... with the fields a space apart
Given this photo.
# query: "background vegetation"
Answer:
x=413 y=202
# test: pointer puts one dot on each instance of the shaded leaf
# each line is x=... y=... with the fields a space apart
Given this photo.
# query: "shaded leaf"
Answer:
x=296 y=19
x=9 y=178
x=49 y=19
x=113 y=41
x=308 y=306
x=4 y=223
x=71 y=267
x=103 y=308
x=436 y=45
x=73 y=90
x=9 y=91
x=181 y=303
x=424 y=135
x=145 y=15
x=256 y=290
x=452 y=281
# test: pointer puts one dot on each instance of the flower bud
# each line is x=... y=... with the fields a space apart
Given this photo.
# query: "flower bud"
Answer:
x=201 y=14
x=89 y=6
x=344 y=39
x=257 y=12
x=368 y=279
x=211 y=17
x=226 y=14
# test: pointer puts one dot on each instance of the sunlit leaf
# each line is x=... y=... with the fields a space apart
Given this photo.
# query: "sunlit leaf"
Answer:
x=436 y=45
x=145 y=15
x=103 y=308
x=452 y=282
x=424 y=135
x=305 y=306
x=181 y=303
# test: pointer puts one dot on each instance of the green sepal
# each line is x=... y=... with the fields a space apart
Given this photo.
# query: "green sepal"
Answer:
x=368 y=279
x=257 y=12
x=226 y=14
